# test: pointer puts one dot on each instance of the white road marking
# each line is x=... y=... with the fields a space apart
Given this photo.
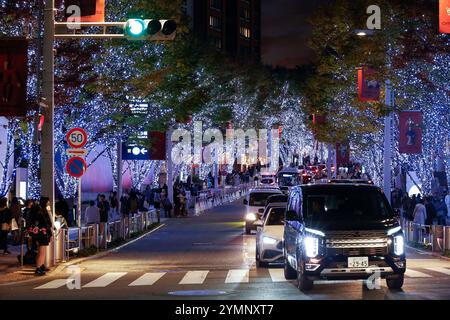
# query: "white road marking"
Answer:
x=194 y=277
x=237 y=276
x=105 y=280
x=54 y=284
x=416 y=274
x=440 y=270
x=147 y=279
x=277 y=275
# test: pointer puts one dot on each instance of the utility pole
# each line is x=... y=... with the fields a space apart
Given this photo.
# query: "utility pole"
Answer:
x=387 y=154
x=47 y=150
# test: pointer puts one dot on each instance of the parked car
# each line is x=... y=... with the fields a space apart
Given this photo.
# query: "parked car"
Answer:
x=342 y=231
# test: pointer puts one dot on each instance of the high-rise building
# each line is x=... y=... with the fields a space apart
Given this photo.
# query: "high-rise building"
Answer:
x=233 y=26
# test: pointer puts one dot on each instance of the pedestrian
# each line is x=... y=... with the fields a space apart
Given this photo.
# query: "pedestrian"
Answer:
x=133 y=204
x=167 y=207
x=16 y=221
x=441 y=211
x=183 y=211
x=5 y=220
x=41 y=232
x=447 y=203
x=157 y=203
x=431 y=211
x=103 y=207
x=420 y=216
x=114 y=203
x=62 y=208
x=92 y=213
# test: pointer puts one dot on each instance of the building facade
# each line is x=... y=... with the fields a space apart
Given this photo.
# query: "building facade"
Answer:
x=233 y=26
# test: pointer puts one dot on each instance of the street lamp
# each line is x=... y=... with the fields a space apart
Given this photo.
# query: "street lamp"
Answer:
x=387 y=152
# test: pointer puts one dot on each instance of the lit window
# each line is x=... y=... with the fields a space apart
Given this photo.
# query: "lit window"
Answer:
x=245 y=13
x=245 y=32
x=214 y=22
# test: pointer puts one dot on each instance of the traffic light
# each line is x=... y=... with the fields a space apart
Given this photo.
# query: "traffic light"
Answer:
x=150 y=29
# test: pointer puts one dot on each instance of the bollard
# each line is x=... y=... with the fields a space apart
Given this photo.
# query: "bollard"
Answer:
x=59 y=245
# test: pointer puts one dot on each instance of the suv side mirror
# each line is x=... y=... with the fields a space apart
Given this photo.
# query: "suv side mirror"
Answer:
x=397 y=213
x=245 y=201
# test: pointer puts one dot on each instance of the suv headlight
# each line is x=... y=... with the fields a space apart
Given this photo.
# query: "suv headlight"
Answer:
x=311 y=246
x=399 y=245
x=250 y=217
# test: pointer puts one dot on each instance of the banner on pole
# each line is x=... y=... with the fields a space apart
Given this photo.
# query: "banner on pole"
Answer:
x=157 y=145
x=368 y=86
x=13 y=76
x=410 y=140
x=444 y=16
x=91 y=10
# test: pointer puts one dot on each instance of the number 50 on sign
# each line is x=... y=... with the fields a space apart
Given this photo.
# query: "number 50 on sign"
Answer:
x=76 y=138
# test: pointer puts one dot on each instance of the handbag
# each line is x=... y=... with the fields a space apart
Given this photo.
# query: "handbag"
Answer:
x=6 y=226
x=14 y=225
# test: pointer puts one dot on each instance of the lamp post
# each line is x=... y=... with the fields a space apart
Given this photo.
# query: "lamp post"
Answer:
x=387 y=150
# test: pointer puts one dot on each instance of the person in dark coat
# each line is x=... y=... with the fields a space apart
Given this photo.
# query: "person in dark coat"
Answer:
x=5 y=223
x=41 y=231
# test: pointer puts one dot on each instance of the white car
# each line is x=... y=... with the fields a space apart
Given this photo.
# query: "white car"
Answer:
x=269 y=236
x=255 y=202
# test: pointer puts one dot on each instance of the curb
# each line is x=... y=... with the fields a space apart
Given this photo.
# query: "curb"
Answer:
x=434 y=254
x=62 y=266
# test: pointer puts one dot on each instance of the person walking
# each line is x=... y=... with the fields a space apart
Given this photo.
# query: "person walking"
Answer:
x=92 y=213
x=5 y=222
x=167 y=205
x=420 y=216
x=447 y=203
x=157 y=203
x=16 y=221
x=103 y=207
x=114 y=204
x=133 y=204
x=41 y=231
x=431 y=211
x=183 y=211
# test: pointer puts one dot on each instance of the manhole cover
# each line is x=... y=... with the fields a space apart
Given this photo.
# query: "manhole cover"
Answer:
x=197 y=293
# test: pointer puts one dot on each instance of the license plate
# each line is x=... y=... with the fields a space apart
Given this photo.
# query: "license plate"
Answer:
x=358 y=262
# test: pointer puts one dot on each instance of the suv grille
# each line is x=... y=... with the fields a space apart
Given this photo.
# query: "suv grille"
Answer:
x=357 y=243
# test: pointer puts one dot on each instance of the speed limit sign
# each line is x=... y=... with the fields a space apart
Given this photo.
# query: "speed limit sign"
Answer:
x=76 y=138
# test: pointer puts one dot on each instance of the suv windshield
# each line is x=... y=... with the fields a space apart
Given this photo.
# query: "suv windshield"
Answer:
x=287 y=180
x=346 y=204
x=275 y=217
x=259 y=198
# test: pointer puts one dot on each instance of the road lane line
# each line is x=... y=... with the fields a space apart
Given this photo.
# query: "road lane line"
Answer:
x=105 y=280
x=147 y=279
x=416 y=274
x=237 y=276
x=440 y=270
x=54 y=284
x=277 y=275
x=194 y=277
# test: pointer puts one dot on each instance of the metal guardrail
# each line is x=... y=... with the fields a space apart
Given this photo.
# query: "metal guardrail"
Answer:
x=213 y=198
x=435 y=236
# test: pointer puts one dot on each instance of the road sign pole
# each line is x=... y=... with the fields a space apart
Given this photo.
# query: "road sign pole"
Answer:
x=169 y=165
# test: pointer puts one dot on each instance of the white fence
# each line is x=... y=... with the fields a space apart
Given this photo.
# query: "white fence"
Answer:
x=436 y=236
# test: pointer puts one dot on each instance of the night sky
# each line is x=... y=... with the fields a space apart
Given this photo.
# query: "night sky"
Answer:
x=285 y=32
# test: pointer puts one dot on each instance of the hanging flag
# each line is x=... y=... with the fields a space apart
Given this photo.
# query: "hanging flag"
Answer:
x=444 y=16
x=91 y=10
x=318 y=121
x=342 y=153
x=157 y=145
x=410 y=131
x=13 y=77
x=368 y=86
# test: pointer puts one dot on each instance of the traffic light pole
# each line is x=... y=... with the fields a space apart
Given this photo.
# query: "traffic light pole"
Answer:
x=47 y=150
x=387 y=153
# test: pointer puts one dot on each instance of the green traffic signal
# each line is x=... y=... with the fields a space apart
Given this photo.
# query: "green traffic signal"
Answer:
x=135 y=28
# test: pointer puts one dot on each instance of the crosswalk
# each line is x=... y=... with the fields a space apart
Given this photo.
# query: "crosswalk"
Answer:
x=199 y=277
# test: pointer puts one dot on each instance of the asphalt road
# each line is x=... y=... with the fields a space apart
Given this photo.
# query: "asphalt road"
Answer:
x=210 y=257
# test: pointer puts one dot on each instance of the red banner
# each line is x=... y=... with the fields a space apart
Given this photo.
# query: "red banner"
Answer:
x=157 y=150
x=444 y=16
x=410 y=132
x=13 y=77
x=342 y=153
x=91 y=10
x=368 y=86
x=317 y=121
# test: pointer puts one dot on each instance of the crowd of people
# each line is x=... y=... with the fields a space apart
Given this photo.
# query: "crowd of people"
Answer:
x=428 y=210
x=33 y=221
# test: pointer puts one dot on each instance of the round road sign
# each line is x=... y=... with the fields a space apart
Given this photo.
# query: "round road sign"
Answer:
x=76 y=138
x=76 y=167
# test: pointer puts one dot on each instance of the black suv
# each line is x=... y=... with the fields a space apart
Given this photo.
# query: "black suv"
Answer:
x=342 y=231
